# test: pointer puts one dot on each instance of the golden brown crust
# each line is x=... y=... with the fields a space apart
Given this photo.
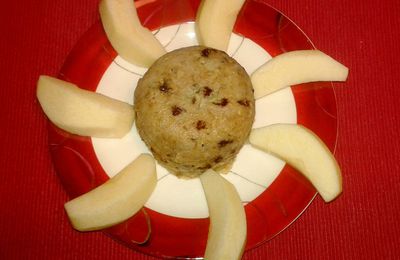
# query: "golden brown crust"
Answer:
x=194 y=110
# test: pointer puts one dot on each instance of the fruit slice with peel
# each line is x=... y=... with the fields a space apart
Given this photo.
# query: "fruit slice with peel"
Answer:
x=228 y=229
x=83 y=112
x=296 y=67
x=115 y=200
x=303 y=150
x=133 y=42
x=215 y=20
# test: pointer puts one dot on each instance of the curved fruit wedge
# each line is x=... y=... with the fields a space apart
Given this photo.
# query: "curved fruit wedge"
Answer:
x=296 y=67
x=228 y=230
x=130 y=39
x=303 y=150
x=215 y=20
x=117 y=199
x=83 y=112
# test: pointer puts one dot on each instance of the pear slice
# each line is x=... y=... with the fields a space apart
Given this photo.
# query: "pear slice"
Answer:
x=83 y=112
x=117 y=199
x=296 y=67
x=215 y=20
x=228 y=230
x=133 y=42
x=303 y=150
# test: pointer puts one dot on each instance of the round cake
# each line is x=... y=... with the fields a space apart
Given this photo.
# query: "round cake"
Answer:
x=194 y=110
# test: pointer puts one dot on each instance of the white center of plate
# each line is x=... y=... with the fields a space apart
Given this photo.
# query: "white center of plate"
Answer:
x=253 y=170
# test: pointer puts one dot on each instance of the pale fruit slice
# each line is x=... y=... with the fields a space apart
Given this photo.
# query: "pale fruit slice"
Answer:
x=83 y=112
x=303 y=150
x=117 y=199
x=215 y=20
x=296 y=67
x=228 y=229
x=133 y=42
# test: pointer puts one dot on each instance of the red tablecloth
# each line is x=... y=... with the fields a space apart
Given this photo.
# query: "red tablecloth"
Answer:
x=363 y=223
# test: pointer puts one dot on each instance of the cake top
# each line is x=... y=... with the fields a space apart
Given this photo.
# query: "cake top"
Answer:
x=194 y=110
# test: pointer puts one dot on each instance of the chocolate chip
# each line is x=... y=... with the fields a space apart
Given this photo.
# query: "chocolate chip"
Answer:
x=207 y=91
x=205 y=167
x=200 y=125
x=223 y=102
x=218 y=159
x=206 y=52
x=176 y=110
x=223 y=143
x=193 y=100
x=164 y=87
x=244 y=102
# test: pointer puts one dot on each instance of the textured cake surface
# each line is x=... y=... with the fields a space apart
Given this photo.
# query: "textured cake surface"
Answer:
x=194 y=110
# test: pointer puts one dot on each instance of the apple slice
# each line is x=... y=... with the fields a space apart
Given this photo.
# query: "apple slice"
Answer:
x=303 y=150
x=83 y=112
x=117 y=199
x=296 y=67
x=215 y=20
x=228 y=230
x=133 y=42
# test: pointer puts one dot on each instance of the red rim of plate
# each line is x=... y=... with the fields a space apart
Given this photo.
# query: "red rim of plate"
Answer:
x=271 y=212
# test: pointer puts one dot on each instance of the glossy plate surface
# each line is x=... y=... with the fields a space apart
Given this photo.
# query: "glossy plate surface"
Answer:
x=175 y=224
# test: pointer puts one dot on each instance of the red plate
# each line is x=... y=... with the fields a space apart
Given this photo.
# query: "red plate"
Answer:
x=271 y=212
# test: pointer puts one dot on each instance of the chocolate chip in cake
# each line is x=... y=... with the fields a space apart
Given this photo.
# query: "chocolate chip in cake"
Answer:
x=207 y=91
x=206 y=52
x=224 y=143
x=205 y=167
x=200 y=125
x=218 y=159
x=244 y=102
x=223 y=102
x=176 y=110
x=164 y=87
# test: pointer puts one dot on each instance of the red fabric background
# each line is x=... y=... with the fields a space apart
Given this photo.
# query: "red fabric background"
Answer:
x=363 y=223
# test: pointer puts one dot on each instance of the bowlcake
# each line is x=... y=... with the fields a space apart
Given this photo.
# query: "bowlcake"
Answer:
x=194 y=110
